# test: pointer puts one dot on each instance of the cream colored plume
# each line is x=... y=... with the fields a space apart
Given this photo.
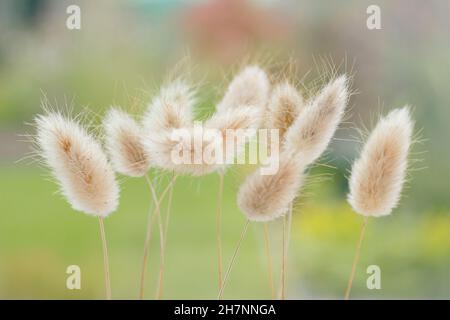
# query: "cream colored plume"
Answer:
x=205 y=137
x=244 y=117
x=123 y=138
x=267 y=197
x=229 y=121
x=171 y=109
x=312 y=131
x=241 y=108
x=284 y=105
x=249 y=88
x=78 y=163
x=378 y=175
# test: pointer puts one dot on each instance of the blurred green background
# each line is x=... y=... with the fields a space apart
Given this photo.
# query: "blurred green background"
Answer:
x=126 y=49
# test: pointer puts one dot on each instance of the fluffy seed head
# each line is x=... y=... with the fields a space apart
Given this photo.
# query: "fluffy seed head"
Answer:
x=284 y=105
x=171 y=109
x=267 y=197
x=378 y=175
x=249 y=88
x=203 y=141
x=123 y=137
x=241 y=108
x=311 y=132
x=244 y=117
x=78 y=163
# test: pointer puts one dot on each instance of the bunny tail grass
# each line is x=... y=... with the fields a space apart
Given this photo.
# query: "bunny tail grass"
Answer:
x=171 y=109
x=233 y=259
x=267 y=197
x=78 y=163
x=378 y=175
x=123 y=139
x=283 y=107
x=82 y=170
x=312 y=131
x=249 y=88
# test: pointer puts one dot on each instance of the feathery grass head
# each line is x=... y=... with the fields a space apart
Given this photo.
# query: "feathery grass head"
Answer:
x=311 y=132
x=378 y=175
x=172 y=108
x=202 y=141
x=241 y=108
x=249 y=88
x=78 y=163
x=123 y=137
x=243 y=118
x=285 y=104
x=226 y=121
x=267 y=197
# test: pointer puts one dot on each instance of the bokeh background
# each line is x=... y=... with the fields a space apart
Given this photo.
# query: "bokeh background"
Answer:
x=122 y=54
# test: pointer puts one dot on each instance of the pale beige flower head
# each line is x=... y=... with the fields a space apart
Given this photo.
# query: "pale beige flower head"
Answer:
x=241 y=108
x=379 y=173
x=312 y=131
x=171 y=109
x=284 y=106
x=230 y=123
x=78 y=163
x=249 y=88
x=123 y=139
x=267 y=197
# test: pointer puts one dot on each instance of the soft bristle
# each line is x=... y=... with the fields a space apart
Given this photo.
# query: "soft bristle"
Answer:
x=267 y=197
x=249 y=88
x=241 y=108
x=229 y=121
x=284 y=105
x=78 y=163
x=159 y=145
x=240 y=119
x=378 y=175
x=312 y=131
x=172 y=108
x=123 y=137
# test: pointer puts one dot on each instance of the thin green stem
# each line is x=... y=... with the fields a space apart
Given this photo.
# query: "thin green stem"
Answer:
x=356 y=259
x=105 y=258
x=283 y=261
x=169 y=207
x=269 y=258
x=230 y=266
x=151 y=218
x=219 y=229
